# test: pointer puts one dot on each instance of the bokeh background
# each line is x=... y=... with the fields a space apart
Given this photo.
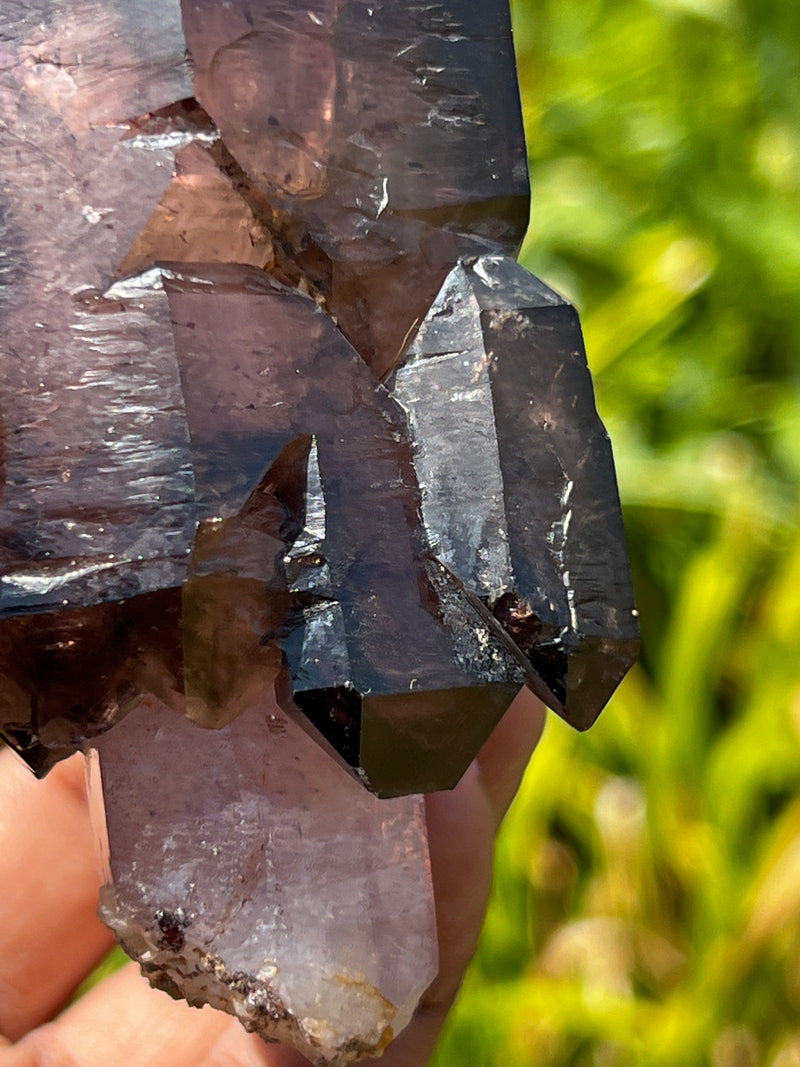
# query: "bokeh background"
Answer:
x=646 y=909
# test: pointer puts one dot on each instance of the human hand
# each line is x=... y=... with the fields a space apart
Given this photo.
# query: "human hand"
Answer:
x=51 y=938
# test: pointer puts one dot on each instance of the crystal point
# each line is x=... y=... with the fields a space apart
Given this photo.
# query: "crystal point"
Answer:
x=254 y=840
x=519 y=490
x=367 y=631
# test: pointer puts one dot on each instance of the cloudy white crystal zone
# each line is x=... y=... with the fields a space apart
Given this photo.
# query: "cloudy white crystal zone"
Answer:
x=250 y=872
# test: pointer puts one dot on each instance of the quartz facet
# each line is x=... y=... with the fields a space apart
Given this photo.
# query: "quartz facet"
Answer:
x=517 y=478
x=375 y=657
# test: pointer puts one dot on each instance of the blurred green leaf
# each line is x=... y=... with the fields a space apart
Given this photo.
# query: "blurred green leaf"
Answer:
x=646 y=908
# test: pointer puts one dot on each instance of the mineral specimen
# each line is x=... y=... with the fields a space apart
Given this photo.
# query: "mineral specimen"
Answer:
x=519 y=495
x=396 y=171
x=281 y=415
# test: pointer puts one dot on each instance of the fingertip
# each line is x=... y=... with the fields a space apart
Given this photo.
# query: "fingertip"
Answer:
x=50 y=936
x=236 y=1048
x=461 y=842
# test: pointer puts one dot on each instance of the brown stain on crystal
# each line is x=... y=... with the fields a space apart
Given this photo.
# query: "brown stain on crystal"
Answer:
x=367 y=989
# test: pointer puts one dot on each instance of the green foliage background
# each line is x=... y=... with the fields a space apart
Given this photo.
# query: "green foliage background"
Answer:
x=647 y=901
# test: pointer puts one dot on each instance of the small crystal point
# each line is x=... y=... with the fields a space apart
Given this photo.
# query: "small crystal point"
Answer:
x=519 y=490
x=384 y=737
x=230 y=233
x=249 y=872
x=389 y=134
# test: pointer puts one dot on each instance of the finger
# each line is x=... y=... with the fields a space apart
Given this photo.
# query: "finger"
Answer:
x=239 y=1049
x=506 y=754
x=50 y=937
x=125 y=1021
x=461 y=834
x=461 y=828
x=122 y=1021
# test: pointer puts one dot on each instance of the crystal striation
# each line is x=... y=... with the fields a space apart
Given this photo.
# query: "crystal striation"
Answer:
x=97 y=500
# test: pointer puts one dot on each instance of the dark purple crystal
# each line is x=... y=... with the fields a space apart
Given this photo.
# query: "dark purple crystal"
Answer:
x=520 y=497
x=278 y=407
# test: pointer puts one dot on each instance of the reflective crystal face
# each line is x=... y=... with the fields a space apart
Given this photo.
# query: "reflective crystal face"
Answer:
x=517 y=478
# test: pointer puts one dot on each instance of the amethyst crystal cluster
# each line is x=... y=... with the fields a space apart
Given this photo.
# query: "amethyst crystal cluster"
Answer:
x=295 y=451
